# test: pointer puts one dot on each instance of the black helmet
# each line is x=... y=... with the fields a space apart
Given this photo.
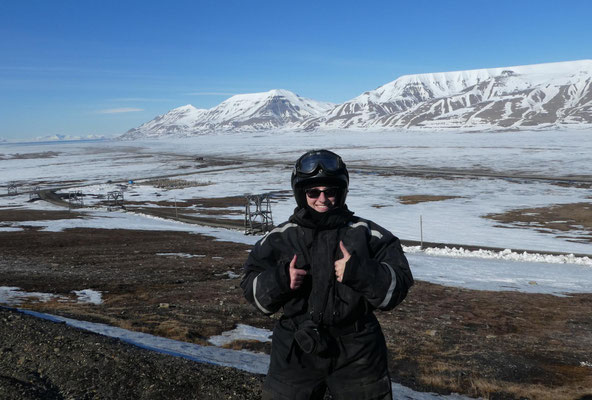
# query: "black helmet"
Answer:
x=319 y=168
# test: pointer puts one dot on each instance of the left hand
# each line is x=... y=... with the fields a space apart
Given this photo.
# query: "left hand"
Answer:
x=340 y=264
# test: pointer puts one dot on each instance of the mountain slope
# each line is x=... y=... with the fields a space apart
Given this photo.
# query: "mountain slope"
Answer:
x=539 y=95
x=178 y=121
x=244 y=112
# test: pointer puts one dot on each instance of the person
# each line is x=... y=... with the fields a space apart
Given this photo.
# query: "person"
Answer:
x=329 y=270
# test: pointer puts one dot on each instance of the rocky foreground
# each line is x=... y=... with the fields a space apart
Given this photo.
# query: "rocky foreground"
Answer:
x=40 y=359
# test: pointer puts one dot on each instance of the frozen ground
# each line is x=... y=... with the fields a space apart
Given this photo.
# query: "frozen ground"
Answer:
x=457 y=220
x=481 y=270
x=373 y=196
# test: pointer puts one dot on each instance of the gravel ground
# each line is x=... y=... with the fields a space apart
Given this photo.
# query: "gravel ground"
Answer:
x=46 y=360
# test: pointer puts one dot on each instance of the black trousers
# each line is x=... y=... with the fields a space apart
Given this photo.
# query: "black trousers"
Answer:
x=354 y=368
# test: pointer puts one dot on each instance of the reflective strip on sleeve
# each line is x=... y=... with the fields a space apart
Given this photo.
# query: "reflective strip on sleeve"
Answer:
x=391 y=289
x=365 y=225
x=377 y=234
x=265 y=310
x=279 y=230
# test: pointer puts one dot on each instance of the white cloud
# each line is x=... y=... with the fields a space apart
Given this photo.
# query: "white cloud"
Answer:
x=120 y=110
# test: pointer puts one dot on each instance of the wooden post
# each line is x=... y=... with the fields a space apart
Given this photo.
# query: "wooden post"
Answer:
x=421 y=231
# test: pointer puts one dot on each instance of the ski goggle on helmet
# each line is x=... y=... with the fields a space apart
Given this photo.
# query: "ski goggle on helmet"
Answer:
x=319 y=168
x=328 y=161
x=312 y=162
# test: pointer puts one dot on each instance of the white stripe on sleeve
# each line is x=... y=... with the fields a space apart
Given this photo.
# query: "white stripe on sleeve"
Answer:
x=365 y=225
x=265 y=310
x=391 y=289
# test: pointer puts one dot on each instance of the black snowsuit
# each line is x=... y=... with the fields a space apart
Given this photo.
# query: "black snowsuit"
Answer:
x=328 y=334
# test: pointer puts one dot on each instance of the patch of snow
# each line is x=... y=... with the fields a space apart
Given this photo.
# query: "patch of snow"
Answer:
x=14 y=296
x=89 y=296
x=501 y=275
x=10 y=229
x=182 y=255
x=229 y=274
x=241 y=332
x=506 y=254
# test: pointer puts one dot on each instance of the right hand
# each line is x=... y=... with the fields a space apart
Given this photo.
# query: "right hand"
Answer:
x=296 y=275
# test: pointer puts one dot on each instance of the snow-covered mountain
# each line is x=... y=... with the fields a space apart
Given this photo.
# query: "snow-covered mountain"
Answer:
x=179 y=121
x=540 y=96
x=275 y=109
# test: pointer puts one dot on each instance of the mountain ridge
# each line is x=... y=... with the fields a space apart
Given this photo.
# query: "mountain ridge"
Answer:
x=539 y=96
x=275 y=109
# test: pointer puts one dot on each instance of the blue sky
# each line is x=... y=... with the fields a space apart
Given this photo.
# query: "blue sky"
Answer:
x=102 y=67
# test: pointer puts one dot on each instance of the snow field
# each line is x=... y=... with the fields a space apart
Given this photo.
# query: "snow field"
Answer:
x=458 y=220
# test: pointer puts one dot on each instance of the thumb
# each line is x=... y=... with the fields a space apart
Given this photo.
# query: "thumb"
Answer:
x=343 y=249
x=293 y=262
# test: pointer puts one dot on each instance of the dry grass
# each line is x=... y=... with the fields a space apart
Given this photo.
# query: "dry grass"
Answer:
x=251 y=345
x=29 y=156
x=172 y=329
x=380 y=205
x=173 y=183
x=423 y=198
x=475 y=386
x=559 y=218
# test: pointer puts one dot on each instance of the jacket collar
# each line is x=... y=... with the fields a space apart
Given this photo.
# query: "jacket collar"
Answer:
x=333 y=218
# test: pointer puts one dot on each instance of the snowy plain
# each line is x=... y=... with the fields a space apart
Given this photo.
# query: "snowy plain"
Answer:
x=99 y=167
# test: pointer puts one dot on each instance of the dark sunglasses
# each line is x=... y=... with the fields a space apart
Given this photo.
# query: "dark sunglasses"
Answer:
x=328 y=162
x=316 y=193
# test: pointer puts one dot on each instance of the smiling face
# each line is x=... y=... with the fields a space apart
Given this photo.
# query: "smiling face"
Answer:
x=321 y=198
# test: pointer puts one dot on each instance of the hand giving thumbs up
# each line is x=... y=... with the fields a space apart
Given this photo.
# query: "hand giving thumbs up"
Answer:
x=340 y=264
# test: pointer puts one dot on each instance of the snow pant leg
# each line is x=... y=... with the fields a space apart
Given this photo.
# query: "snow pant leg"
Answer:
x=361 y=371
x=292 y=374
